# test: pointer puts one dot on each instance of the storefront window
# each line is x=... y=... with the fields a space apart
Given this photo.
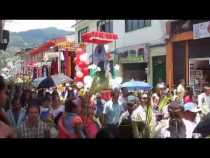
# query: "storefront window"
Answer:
x=131 y=25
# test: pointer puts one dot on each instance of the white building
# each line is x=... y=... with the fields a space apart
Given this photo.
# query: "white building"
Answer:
x=141 y=42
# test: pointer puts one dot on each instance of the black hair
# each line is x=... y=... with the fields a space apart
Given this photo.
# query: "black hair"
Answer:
x=70 y=105
x=33 y=106
x=2 y=83
x=46 y=98
x=189 y=91
x=23 y=97
x=15 y=98
x=54 y=94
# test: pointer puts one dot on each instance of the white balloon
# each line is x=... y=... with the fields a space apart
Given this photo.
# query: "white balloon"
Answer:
x=117 y=67
x=88 y=79
x=84 y=58
x=77 y=68
x=80 y=85
x=118 y=80
x=79 y=74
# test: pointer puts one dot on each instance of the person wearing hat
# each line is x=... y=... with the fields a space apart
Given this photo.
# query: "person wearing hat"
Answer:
x=143 y=118
x=204 y=100
x=172 y=127
x=181 y=90
x=190 y=118
x=160 y=100
x=112 y=112
x=125 y=123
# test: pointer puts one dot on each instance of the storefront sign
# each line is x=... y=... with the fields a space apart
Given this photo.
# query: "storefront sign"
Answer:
x=132 y=59
x=201 y=30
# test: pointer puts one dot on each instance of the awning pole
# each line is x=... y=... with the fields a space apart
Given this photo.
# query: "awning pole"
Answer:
x=92 y=53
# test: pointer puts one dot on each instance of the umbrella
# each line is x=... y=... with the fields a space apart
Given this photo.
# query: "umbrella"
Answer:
x=46 y=83
x=51 y=81
x=37 y=81
x=136 y=85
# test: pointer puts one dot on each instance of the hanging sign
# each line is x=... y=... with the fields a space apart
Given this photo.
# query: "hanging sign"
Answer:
x=201 y=30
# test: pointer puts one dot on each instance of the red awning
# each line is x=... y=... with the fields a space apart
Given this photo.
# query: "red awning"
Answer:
x=99 y=37
x=44 y=47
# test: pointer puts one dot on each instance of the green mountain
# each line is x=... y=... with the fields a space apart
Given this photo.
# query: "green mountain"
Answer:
x=29 y=39
x=32 y=38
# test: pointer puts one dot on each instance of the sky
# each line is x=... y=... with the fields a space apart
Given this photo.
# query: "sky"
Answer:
x=24 y=25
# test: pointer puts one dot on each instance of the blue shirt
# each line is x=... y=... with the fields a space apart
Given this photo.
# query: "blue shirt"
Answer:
x=113 y=112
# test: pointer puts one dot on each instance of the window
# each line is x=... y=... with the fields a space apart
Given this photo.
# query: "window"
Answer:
x=80 y=32
x=105 y=25
x=132 y=53
x=131 y=25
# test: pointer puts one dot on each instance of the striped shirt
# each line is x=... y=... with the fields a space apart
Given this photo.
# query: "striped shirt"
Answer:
x=40 y=130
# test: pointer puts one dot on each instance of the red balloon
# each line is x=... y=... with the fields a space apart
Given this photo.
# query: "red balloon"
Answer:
x=78 y=79
x=82 y=65
x=76 y=60
x=85 y=71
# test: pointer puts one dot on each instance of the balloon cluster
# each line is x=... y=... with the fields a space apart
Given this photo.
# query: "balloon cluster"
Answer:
x=81 y=61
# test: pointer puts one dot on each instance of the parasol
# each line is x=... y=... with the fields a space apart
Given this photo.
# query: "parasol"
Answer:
x=51 y=81
x=136 y=85
x=99 y=37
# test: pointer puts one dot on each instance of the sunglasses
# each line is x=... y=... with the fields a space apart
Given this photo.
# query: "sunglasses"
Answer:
x=144 y=98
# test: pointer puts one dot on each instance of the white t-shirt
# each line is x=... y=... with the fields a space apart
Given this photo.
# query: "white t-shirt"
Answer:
x=139 y=114
x=113 y=112
x=55 y=112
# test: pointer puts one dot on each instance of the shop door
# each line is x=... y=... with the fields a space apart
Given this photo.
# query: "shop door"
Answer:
x=134 y=71
x=159 y=69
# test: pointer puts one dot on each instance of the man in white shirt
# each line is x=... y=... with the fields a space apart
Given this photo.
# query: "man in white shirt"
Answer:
x=125 y=122
x=112 y=112
x=204 y=100
x=139 y=119
x=190 y=118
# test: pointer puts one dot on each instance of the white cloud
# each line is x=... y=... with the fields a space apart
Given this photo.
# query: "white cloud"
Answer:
x=24 y=25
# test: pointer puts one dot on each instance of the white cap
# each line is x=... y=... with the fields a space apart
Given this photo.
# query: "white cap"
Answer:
x=191 y=107
x=160 y=85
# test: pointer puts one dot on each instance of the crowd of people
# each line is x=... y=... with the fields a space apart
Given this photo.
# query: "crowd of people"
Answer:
x=159 y=113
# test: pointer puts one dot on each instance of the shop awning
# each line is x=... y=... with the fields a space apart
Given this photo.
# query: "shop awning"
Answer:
x=99 y=37
x=44 y=47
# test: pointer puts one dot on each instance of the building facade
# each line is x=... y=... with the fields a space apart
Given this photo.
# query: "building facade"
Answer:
x=188 y=53
x=139 y=49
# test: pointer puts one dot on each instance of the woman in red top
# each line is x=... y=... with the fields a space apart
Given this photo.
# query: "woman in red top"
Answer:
x=71 y=125
x=188 y=95
x=92 y=125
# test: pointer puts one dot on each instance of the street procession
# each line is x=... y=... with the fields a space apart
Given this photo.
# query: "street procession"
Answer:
x=110 y=79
